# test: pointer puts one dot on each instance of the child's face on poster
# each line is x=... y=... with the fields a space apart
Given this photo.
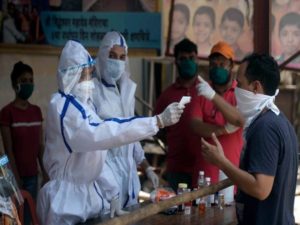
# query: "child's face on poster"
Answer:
x=290 y=39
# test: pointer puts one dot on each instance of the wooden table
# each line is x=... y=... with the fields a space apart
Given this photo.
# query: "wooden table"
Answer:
x=212 y=216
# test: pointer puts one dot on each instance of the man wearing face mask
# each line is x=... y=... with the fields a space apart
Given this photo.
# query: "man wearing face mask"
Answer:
x=211 y=116
x=180 y=156
x=114 y=97
x=267 y=175
x=77 y=142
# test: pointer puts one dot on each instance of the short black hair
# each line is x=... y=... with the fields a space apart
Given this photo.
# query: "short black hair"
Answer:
x=234 y=14
x=264 y=68
x=185 y=46
x=19 y=69
x=184 y=10
x=208 y=11
x=291 y=18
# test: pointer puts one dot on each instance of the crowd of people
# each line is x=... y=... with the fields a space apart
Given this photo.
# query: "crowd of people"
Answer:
x=231 y=128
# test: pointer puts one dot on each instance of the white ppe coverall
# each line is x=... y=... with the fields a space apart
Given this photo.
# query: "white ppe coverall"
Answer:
x=76 y=143
x=115 y=98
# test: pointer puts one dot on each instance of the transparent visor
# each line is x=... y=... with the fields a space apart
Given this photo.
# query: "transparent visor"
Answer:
x=74 y=69
x=9 y=191
x=72 y=75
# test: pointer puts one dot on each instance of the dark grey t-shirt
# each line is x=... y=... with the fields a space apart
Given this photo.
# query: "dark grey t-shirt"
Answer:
x=271 y=148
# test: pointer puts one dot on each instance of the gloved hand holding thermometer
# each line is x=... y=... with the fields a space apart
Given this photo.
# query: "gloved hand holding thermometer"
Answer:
x=172 y=113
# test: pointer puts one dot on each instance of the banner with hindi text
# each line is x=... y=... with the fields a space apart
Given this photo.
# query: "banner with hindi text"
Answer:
x=141 y=30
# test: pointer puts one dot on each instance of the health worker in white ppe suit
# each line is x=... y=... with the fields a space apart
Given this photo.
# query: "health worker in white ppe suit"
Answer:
x=115 y=95
x=77 y=139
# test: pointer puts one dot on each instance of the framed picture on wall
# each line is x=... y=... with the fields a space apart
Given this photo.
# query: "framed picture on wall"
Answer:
x=285 y=31
x=206 y=22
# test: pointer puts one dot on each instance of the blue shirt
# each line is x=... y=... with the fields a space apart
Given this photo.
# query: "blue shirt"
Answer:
x=271 y=148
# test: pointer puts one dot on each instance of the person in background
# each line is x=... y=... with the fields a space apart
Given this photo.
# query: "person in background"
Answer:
x=10 y=33
x=231 y=28
x=289 y=36
x=115 y=97
x=204 y=25
x=267 y=176
x=180 y=156
x=180 y=23
x=209 y=115
x=77 y=141
x=22 y=132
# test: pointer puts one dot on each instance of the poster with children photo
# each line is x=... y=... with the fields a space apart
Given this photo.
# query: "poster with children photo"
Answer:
x=206 y=22
x=285 y=32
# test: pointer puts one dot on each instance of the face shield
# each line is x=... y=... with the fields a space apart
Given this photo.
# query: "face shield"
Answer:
x=9 y=189
x=83 y=90
x=75 y=71
x=110 y=66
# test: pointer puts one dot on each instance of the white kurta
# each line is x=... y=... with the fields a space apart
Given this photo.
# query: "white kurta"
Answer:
x=73 y=158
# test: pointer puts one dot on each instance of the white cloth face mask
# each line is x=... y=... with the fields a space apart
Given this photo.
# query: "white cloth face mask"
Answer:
x=251 y=105
x=115 y=68
x=83 y=90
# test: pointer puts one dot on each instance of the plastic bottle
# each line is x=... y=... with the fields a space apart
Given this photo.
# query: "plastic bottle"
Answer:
x=221 y=202
x=202 y=206
x=201 y=179
x=181 y=189
x=227 y=192
x=197 y=200
x=201 y=184
x=216 y=199
x=187 y=205
x=209 y=198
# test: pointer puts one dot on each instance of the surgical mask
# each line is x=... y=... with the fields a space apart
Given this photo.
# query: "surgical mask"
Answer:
x=187 y=68
x=251 y=105
x=24 y=91
x=219 y=75
x=83 y=90
x=115 y=68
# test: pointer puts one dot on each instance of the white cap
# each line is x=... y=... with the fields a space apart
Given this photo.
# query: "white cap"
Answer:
x=201 y=172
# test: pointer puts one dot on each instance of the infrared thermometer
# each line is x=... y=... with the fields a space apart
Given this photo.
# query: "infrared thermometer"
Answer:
x=184 y=100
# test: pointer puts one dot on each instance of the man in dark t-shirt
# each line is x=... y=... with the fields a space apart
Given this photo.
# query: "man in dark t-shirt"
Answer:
x=268 y=171
x=270 y=149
